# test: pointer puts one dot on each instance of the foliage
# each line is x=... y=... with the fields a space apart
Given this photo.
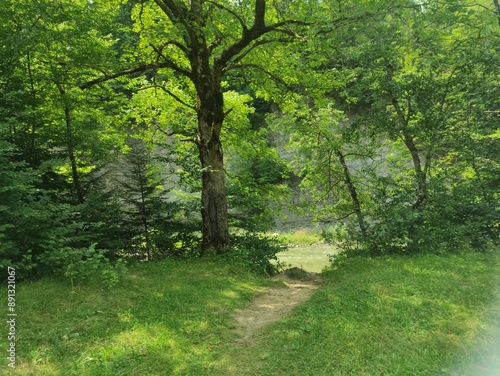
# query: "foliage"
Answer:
x=389 y=109
x=14 y=196
x=84 y=265
x=401 y=80
x=255 y=172
x=255 y=252
x=102 y=218
x=452 y=220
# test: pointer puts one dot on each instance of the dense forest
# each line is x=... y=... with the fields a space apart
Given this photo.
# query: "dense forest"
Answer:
x=175 y=128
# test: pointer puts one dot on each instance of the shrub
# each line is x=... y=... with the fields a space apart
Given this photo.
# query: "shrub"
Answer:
x=255 y=252
x=84 y=265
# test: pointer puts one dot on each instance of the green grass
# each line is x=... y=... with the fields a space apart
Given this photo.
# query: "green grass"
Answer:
x=165 y=319
x=420 y=315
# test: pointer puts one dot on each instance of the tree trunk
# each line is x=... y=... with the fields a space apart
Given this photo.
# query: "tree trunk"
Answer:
x=213 y=199
x=419 y=172
x=353 y=193
x=141 y=175
x=210 y=111
x=71 y=150
x=404 y=120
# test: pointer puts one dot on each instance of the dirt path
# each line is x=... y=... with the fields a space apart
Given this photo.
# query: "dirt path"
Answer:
x=275 y=303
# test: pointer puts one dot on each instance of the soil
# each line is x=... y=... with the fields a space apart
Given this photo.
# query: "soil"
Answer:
x=276 y=302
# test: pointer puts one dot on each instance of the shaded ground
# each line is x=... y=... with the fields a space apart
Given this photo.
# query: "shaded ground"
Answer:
x=276 y=302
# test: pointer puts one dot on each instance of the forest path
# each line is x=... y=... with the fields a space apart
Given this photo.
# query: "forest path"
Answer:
x=276 y=302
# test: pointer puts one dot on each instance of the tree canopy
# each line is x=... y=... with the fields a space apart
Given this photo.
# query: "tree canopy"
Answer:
x=383 y=114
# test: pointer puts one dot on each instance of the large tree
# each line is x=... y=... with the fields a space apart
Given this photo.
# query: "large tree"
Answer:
x=196 y=44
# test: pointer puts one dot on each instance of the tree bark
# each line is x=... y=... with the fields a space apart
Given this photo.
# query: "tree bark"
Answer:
x=353 y=193
x=210 y=111
x=213 y=199
x=71 y=150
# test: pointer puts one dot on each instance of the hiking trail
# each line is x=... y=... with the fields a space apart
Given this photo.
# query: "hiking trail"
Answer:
x=276 y=302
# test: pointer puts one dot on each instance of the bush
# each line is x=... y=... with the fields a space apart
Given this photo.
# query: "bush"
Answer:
x=175 y=239
x=84 y=265
x=255 y=252
x=450 y=221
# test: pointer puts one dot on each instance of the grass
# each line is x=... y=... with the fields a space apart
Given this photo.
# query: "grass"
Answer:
x=419 y=315
x=165 y=319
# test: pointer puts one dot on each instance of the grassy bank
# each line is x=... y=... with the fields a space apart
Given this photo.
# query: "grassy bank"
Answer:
x=422 y=315
x=302 y=236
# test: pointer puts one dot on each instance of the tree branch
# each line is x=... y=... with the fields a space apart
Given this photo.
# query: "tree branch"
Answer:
x=171 y=63
x=171 y=9
x=192 y=107
x=175 y=43
x=177 y=98
x=255 y=32
x=278 y=25
x=177 y=12
x=257 y=44
x=257 y=67
x=170 y=134
x=140 y=68
x=231 y=12
x=218 y=40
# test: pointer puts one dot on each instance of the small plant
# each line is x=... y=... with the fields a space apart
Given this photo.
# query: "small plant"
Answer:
x=84 y=265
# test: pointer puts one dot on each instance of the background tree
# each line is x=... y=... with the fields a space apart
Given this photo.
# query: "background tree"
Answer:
x=399 y=70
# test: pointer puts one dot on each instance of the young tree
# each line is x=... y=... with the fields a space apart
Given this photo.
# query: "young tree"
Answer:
x=325 y=153
x=143 y=191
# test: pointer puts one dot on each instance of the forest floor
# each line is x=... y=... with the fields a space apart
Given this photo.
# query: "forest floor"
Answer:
x=275 y=303
x=391 y=315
